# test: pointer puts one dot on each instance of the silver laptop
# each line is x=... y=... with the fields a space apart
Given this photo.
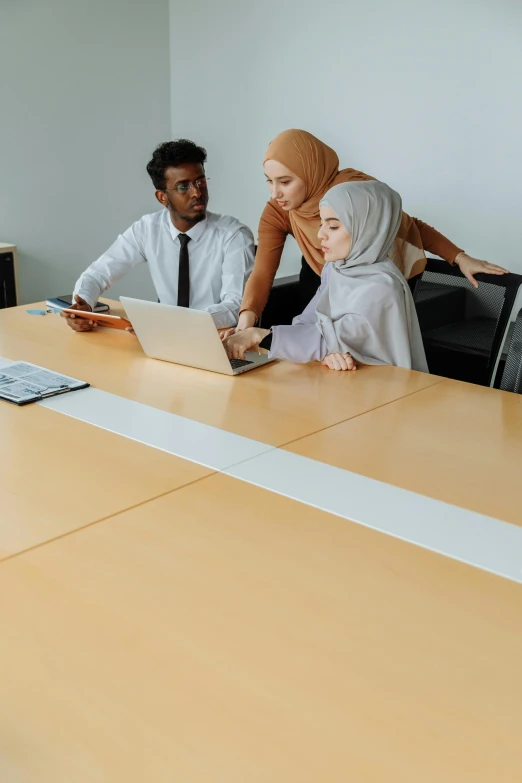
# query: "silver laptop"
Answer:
x=185 y=336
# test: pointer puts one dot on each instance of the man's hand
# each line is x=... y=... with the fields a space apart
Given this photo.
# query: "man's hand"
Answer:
x=339 y=361
x=470 y=266
x=239 y=342
x=79 y=324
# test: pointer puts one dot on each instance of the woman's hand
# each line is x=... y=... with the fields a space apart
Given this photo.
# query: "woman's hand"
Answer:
x=339 y=361
x=242 y=341
x=470 y=266
x=226 y=333
x=246 y=319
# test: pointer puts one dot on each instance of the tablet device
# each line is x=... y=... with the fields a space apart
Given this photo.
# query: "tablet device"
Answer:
x=101 y=319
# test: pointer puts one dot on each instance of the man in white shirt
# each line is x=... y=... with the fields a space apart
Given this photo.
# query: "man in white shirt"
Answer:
x=196 y=258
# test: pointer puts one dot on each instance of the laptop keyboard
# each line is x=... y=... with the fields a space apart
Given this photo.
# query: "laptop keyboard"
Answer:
x=237 y=363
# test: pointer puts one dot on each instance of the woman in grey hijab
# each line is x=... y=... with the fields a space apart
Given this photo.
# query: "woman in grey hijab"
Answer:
x=363 y=311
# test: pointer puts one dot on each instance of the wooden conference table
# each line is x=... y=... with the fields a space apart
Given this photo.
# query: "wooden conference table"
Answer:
x=165 y=620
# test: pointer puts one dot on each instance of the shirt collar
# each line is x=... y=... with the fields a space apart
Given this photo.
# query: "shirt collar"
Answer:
x=194 y=233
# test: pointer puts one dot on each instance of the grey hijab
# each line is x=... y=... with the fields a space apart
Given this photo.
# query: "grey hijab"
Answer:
x=367 y=308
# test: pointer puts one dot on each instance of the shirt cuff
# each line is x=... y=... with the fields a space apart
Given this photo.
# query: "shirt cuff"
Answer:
x=86 y=296
x=223 y=319
x=266 y=342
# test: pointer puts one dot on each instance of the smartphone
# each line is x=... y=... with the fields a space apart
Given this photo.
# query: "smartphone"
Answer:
x=61 y=302
x=102 y=319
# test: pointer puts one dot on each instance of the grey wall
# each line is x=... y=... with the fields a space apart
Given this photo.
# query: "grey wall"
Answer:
x=84 y=98
x=426 y=96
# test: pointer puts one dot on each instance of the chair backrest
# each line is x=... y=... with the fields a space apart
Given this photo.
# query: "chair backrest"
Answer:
x=512 y=375
x=283 y=303
x=464 y=319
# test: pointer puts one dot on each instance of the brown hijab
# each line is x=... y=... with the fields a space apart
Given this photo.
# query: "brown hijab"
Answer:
x=318 y=166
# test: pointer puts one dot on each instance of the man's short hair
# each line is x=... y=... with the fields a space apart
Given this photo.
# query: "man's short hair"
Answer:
x=173 y=153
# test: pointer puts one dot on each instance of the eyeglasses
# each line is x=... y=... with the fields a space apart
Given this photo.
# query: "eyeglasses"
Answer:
x=185 y=187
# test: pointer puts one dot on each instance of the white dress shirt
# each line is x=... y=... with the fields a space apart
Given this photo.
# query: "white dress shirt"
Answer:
x=221 y=257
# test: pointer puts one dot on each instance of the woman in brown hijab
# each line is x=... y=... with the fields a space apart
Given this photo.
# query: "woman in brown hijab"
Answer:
x=300 y=169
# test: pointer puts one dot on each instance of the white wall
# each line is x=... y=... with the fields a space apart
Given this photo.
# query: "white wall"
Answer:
x=426 y=96
x=84 y=99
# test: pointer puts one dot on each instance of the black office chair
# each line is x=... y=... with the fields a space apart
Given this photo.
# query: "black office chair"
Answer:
x=283 y=303
x=512 y=375
x=463 y=327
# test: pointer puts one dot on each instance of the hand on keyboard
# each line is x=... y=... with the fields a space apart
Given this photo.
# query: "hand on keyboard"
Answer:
x=238 y=343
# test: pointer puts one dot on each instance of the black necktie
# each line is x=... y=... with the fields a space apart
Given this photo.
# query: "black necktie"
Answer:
x=184 y=274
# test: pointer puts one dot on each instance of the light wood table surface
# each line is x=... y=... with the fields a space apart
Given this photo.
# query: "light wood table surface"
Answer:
x=274 y=404
x=455 y=442
x=225 y=634
x=58 y=474
x=218 y=632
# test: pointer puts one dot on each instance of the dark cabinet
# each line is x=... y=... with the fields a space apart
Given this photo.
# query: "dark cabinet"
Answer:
x=7 y=280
